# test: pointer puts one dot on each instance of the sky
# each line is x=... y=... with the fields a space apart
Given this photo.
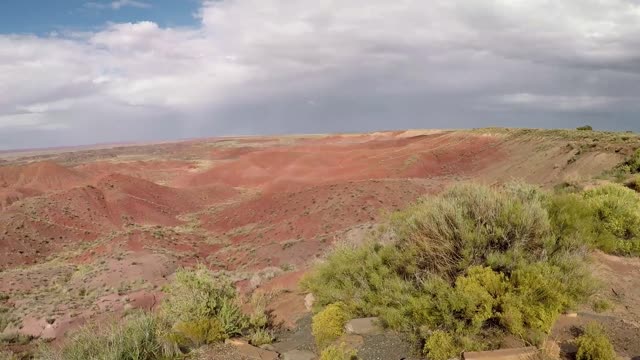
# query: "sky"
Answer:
x=78 y=72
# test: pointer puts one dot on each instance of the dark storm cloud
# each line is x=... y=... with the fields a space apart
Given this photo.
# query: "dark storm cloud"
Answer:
x=275 y=66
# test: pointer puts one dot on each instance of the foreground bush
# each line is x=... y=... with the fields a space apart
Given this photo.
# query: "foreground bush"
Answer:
x=202 y=308
x=334 y=352
x=199 y=308
x=134 y=339
x=594 y=344
x=328 y=325
x=466 y=266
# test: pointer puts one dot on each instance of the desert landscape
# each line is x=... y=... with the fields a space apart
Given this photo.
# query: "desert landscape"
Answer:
x=91 y=234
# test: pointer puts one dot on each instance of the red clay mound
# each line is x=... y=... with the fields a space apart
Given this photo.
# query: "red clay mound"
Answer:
x=23 y=181
x=51 y=222
x=156 y=171
x=291 y=228
x=352 y=158
x=43 y=176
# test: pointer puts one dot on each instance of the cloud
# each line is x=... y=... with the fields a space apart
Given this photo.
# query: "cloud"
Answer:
x=117 y=5
x=265 y=66
x=557 y=102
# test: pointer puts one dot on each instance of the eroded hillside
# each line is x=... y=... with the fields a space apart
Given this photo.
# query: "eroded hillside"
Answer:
x=88 y=233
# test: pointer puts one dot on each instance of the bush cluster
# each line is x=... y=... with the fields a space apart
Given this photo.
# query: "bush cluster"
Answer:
x=199 y=308
x=606 y=217
x=136 y=338
x=341 y=352
x=594 y=344
x=467 y=266
x=328 y=325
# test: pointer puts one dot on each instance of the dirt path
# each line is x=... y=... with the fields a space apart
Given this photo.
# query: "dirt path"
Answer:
x=620 y=287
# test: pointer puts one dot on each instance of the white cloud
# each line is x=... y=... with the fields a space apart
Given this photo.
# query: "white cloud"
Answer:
x=349 y=56
x=558 y=102
x=117 y=5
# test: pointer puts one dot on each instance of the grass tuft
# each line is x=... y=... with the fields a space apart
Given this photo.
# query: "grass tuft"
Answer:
x=341 y=352
x=328 y=325
x=594 y=344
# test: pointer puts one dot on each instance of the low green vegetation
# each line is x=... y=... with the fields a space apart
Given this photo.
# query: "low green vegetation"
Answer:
x=335 y=352
x=474 y=264
x=594 y=344
x=632 y=164
x=328 y=324
x=585 y=128
x=137 y=338
x=627 y=171
x=601 y=305
x=606 y=217
x=202 y=308
x=199 y=308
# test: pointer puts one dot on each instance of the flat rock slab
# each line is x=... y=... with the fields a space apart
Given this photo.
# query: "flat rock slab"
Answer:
x=255 y=353
x=364 y=326
x=299 y=355
x=526 y=353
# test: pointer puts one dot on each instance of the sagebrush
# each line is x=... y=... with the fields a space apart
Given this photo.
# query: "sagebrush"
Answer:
x=466 y=267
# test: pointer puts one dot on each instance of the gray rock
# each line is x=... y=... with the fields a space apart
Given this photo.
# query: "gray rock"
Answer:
x=299 y=355
x=364 y=326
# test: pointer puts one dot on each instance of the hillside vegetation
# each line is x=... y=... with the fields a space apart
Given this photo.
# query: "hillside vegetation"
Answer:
x=475 y=264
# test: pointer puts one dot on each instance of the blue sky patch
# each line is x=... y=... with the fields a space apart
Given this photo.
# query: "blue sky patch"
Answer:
x=41 y=17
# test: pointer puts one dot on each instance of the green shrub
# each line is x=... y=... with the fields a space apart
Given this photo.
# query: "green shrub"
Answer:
x=585 y=128
x=258 y=318
x=261 y=337
x=606 y=217
x=328 y=325
x=468 y=265
x=594 y=344
x=341 y=352
x=366 y=278
x=441 y=346
x=5 y=318
x=197 y=296
x=134 y=339
x=8 y=355
x=617 y=208
x=633 y=183
x=633 y=163
x=195 y=333
x=601 y=305
x=463 y=226
x=15 y=338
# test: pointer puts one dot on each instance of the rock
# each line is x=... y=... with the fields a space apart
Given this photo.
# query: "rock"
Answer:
x=255 y=353
x=299 y=355
x=351 y=342
x=571 y=315
x=236 y=341
x=364 y=326
x=49 y=333
x=527 y=353
x=32 y=326
x=309 y=300
x=267 y=347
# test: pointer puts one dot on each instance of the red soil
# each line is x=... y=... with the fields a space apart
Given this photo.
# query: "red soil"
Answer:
x=43 y=225
x=295 y=167
x=22 y=181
